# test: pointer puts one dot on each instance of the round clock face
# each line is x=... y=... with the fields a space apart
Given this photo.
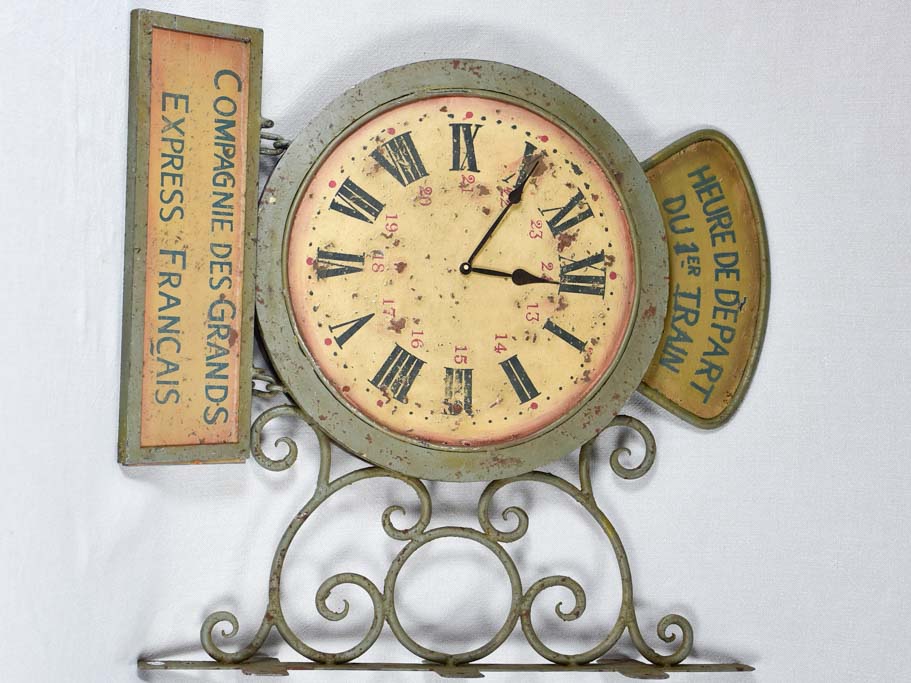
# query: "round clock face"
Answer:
x=460 y=270
x=414 y=318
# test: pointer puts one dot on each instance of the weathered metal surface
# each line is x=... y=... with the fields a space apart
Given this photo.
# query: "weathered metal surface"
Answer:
x=719 y=279
x=305 y=377
x=419 y=535
x=193 y=144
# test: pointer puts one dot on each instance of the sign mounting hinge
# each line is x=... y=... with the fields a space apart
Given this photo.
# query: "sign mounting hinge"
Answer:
x=279 y=144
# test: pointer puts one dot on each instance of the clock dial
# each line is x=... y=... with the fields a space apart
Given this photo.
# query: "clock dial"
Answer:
x=420 y=324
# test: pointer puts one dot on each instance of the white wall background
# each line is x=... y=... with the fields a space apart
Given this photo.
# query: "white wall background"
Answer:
x=783 y=536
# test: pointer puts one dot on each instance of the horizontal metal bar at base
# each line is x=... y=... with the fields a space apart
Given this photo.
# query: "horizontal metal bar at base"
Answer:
x=273 y=667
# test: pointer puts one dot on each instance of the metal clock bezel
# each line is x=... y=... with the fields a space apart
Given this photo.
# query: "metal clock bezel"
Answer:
x=300 y=374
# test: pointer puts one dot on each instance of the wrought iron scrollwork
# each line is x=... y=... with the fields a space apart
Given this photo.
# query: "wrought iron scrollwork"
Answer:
x=418 y=535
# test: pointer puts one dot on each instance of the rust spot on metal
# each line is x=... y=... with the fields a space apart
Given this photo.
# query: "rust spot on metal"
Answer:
x=566 y=239
x=561 y=302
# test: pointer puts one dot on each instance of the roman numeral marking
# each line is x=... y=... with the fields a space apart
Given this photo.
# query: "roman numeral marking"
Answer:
x=565 y=335
x=352 y=200
x=399 y=156
x=351 y=327
x=562 y=220
x=521 y=383
x=398 y=373
x=458 y=391
x=528 y=160
x=460 y=132
x=332 y=263
x=589 y=283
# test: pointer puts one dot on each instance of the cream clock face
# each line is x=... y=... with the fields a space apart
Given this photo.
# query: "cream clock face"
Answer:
x=438 y=305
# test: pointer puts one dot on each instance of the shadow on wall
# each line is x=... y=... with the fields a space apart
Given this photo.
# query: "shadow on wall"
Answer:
x=587 y=80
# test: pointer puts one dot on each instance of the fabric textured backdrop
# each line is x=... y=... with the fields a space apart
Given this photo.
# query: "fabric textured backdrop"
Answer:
x=783 y=536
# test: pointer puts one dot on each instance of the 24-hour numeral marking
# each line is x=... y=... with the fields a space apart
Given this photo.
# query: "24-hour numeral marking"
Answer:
x=590 y=282
x=565 y=335
x=352 y=200
x=457 y=387
x=350 y=328
x=398 y=373
x=466 y=159
x=400 y=157
x=521 y=382
x=334 y=263
x=572 y=213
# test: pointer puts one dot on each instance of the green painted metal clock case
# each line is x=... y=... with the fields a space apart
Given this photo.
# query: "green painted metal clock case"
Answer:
x=303 y=377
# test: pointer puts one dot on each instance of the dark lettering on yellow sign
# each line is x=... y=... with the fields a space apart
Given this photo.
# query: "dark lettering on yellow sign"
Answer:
x=688 y=306
x=165 y=346
x=173 y=143
x=718 y=279
x=221 y=319
x=167 y=388
x=188 y=307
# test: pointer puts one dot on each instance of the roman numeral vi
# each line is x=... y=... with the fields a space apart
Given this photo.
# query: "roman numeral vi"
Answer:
x=457 y=391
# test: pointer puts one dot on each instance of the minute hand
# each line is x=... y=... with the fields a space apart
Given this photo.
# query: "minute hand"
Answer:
x=514 y=197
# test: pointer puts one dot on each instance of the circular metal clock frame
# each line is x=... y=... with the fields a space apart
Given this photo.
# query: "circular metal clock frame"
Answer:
x=300 y=374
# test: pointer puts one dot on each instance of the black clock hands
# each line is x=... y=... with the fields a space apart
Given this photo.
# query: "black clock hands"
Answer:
x=514 y=197
x=519 y=276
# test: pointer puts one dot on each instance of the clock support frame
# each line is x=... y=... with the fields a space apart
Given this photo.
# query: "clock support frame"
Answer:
x=673 y=629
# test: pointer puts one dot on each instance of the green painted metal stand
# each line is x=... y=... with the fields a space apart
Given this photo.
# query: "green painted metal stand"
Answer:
x=448 y=664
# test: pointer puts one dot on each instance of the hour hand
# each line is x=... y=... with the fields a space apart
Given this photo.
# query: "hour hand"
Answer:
x=519 y=276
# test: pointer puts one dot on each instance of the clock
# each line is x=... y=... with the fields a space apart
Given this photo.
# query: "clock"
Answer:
x=462 y=272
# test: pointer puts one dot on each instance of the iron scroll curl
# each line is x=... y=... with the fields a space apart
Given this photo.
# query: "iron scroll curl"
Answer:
x=419 y=534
